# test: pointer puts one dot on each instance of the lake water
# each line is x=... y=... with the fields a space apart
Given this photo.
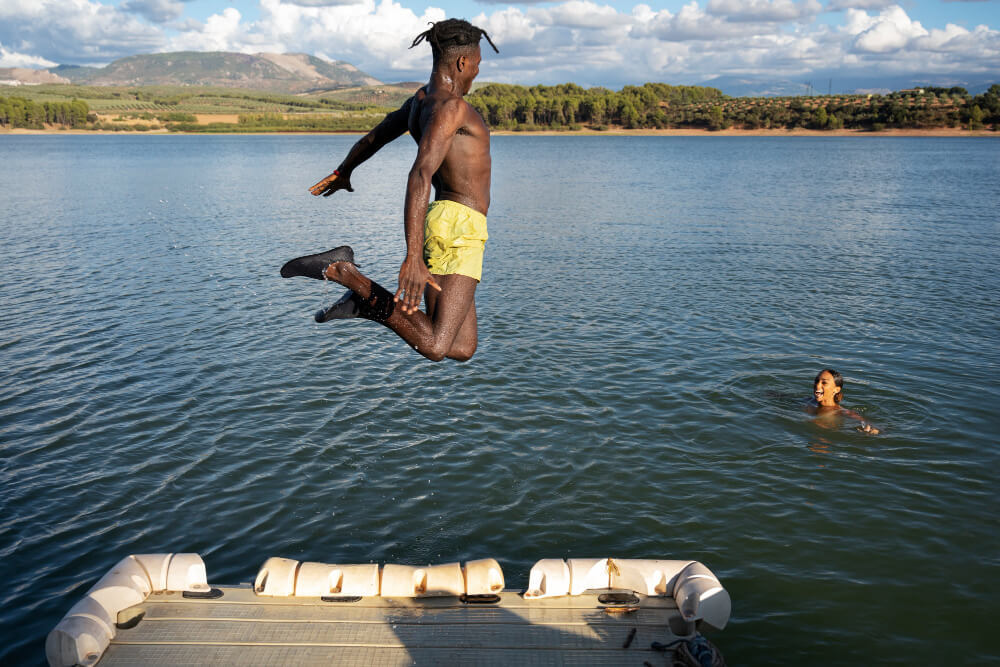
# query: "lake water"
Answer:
x=652 y=314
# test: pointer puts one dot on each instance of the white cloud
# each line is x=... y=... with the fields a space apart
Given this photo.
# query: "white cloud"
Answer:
x=840 y=5
x=512 y=2
x=575 y=40
x=321 y=3
x=580 y=14
x=220 y=32
x=648 y=45
x=690 y=23
x=764 y=10
x=898 y=44
x=976 y=50
x=890 y=31
x=157 y=11
x=369 y=35
x=75 y=31
x=14 y=59
x=856 y=22
x=569 y=42
x=511 y=29
x=952 y=38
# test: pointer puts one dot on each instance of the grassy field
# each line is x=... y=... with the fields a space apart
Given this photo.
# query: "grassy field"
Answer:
x=163 y=107
x=204 y=109
x=190 y=99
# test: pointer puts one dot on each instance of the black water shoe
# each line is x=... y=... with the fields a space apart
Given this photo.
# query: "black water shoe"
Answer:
x=313 y=266
x=344 y=309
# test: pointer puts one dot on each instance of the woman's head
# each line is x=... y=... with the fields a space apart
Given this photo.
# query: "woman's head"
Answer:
x=828 y=387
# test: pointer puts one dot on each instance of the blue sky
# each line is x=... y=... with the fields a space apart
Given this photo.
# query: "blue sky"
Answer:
x=591 y=42
x=934 y=13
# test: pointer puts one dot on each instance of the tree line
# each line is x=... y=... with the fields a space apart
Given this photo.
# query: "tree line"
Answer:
x=661 y=106
x=568 y=105
x=289 y=101
x=25 y=113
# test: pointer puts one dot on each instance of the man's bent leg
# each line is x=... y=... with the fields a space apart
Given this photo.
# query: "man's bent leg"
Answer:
x=465 y=342
x=432 y=338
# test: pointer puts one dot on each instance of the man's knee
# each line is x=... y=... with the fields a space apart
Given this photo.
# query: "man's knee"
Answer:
x=433 y=352
x=440 y=351
x=462 y=352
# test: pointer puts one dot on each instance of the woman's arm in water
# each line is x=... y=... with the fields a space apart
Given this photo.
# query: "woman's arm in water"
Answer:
x=392 y=127
x=865 y=426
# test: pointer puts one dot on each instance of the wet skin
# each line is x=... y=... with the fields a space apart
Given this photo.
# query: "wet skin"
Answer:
x=826 y=406
x=453 y=156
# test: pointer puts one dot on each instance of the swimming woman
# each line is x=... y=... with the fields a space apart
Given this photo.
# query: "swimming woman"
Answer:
x=828 y=390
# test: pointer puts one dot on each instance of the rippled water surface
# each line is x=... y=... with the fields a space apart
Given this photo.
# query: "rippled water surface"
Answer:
x=652 y=313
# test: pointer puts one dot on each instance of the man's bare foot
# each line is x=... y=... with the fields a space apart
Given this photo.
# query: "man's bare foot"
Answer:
x=343 y=272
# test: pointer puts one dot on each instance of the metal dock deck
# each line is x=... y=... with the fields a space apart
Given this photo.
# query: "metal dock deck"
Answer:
x=243 y=628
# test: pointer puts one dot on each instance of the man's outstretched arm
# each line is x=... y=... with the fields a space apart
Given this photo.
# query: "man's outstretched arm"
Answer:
x=393 y=126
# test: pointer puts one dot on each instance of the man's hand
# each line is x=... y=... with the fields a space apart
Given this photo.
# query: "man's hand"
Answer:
x=413 y=276
x=332 y=183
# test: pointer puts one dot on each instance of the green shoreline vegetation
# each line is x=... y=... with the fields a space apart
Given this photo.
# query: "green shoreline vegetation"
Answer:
x=565 y=107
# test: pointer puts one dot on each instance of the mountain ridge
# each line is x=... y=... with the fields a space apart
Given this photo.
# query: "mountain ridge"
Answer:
x=276 y=72
x=834 y=83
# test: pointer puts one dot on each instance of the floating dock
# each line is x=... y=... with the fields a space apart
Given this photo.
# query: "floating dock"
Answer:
x=294 y=615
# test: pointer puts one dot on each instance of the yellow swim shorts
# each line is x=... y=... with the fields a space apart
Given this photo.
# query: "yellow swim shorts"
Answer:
x=454 y=239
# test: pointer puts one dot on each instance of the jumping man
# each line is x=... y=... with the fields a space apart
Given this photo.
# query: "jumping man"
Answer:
x=444 y=241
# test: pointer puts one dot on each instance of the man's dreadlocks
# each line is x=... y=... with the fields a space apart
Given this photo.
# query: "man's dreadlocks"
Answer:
x=452 y=35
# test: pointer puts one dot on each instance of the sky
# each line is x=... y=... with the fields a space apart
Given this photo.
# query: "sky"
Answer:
x=614 y=43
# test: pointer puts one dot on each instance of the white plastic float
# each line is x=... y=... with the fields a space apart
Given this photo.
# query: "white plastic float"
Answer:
x=85 y=631
x=698 y=593
x=83 y=635
x=283 y=577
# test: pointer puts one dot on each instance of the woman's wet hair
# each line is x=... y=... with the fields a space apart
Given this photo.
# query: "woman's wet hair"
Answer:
x=838 y=380
x=452 y=35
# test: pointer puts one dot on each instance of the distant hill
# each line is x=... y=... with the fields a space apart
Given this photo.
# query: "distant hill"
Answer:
x=383 y=94
x=278 y=72
x=74 y=73
x=737 y=86
x=838 y=84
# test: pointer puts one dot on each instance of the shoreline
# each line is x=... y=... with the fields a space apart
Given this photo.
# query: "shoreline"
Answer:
x=798 y=132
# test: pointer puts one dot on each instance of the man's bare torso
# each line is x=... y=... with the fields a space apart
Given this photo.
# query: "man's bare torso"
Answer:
x=464 y=176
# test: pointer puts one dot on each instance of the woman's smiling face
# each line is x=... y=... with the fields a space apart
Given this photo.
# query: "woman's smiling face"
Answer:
x=825 y=389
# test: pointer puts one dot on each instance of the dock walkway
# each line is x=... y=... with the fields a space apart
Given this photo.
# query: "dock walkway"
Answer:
x=247 y=629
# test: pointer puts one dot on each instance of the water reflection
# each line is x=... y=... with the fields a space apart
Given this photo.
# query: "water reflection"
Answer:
x=820 y=445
